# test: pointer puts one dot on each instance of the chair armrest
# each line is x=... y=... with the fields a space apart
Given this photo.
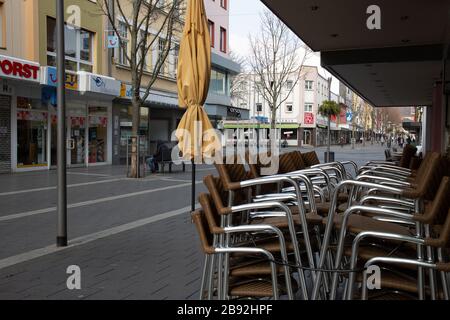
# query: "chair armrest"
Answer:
x=383 y=179
x=384 y=199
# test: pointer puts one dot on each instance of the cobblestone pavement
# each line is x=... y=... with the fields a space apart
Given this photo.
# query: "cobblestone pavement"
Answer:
x=131 y=239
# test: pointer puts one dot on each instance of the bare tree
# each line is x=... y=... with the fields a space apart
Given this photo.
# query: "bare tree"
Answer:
x=277 y=56
x=238 y=82
x=144 y=28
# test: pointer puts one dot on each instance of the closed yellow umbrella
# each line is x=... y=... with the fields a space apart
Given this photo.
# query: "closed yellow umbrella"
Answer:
x=194 y=72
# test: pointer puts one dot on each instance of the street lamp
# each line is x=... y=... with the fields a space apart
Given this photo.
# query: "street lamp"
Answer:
x=61 y=239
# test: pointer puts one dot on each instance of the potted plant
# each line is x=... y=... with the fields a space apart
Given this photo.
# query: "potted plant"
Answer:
x=328 y=109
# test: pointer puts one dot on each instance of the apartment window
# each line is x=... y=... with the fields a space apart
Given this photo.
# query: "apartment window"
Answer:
x=259 y=107
x=2 y=26
x=223 y=4
x=161 y=49
x=308 y=85
x=218 y=82
x=142 y=36
x=212 y=32
x=308 y=107
x=79 y=47
x=160 y=4
x=289 y=107
x=123 y=48
x=289 y=84
x=176 y=53
x=223 y=40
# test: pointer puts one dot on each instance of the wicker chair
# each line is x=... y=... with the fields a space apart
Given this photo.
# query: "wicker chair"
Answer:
x=408 y=197
x=228 y=270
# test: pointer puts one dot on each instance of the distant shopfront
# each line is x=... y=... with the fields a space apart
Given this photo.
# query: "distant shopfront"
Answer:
x=159 y=117
x=29 y=137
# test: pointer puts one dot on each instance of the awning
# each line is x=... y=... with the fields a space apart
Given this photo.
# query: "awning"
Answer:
x=396 y=65
x=155 y=97
x=410 y=125
x=95 y=83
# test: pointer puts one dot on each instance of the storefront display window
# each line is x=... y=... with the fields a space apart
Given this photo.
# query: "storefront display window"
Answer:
x=31 y=137
x=126 y=125
x=98 y=134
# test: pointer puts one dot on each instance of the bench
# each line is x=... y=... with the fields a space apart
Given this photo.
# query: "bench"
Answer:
x=165 y=158
x=162 y=165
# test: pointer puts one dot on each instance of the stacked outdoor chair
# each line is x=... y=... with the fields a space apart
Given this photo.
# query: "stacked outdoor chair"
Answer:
x=408 y=154
x=311 y=230
x=251 y=265
x=288 y=204
x=380 y=203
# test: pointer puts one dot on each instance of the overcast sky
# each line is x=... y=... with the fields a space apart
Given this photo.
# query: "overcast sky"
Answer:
x=244 y=20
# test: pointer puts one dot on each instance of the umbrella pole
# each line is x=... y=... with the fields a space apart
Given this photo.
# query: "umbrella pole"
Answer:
x=193 y=187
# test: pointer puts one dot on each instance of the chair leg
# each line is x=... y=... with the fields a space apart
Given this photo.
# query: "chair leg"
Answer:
x=432 y=272
x=205 y=277
x=337 y=262
x=226 y=265
x=364 y=289
x=420 y=271
x=443 y=276
x=212 y=272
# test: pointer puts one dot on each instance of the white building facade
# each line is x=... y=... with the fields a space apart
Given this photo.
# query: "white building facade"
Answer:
x=297 y=117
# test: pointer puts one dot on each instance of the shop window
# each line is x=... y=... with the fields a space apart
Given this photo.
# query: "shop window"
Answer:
x=98 y=134
x=126 y=126
x=78 y=47
x=31 y=133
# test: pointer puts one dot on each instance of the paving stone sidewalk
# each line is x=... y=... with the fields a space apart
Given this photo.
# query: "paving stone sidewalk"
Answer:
x=156 y=261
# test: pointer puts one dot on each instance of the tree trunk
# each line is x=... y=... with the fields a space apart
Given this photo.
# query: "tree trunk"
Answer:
x=273 y=129
x=136 y=107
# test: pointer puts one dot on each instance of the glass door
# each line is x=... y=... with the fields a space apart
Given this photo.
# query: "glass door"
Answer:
x=53 y=140
x=77 y=141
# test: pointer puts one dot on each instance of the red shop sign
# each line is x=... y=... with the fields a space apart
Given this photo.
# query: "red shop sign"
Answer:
x=309 y=118
x=19 y=69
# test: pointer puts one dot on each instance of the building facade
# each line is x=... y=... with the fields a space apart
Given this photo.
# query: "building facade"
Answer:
x=97 y=81
x=297 y=117
x=28 y=76
x=161 y=113
x=218 y=103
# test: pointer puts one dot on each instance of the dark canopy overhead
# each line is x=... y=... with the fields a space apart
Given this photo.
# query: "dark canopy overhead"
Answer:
x=395 y=66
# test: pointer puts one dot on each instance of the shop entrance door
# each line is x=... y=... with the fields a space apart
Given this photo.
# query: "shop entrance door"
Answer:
x=76 y=142
x=307 y=137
